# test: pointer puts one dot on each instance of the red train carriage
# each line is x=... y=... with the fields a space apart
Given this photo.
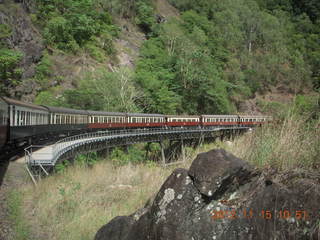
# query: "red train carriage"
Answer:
x=142 y=120
x=219 y=120
x=177 y=121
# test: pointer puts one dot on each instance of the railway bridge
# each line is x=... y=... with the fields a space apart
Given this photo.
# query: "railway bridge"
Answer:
x=41 y=159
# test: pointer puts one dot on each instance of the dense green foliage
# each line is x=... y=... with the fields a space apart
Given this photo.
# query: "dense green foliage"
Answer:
x=70 y=24
x=10 y=72
x=221 y=52
x=209 y=59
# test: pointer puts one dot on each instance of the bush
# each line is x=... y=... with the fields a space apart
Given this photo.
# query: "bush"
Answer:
x=10 y=72
x=145 y=16
x=44 y=71
x=58 y=31
x=134 y=155
x=71 y=24
x=47 y=98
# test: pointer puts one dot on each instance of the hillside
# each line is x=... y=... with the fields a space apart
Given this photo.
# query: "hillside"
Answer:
x=159 y=56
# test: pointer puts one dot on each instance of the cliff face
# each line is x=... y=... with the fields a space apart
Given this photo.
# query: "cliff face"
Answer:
x=25 y=38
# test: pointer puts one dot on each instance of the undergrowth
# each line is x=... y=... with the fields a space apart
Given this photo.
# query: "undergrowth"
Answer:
x=15 y=207
x=293 y=143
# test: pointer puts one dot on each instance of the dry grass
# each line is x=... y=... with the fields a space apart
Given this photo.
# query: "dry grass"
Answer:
x=76 y=203
x=291 y=144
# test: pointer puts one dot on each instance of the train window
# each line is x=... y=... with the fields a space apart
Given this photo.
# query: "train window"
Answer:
x=133 y=120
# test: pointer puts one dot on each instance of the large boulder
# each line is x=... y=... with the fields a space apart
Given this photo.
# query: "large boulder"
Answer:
x=213 y=172
x=244 y=204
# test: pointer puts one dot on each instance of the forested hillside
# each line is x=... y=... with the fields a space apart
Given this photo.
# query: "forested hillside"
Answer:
x=176 y=56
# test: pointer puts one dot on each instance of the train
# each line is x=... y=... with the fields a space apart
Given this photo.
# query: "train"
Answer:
x=25 y=123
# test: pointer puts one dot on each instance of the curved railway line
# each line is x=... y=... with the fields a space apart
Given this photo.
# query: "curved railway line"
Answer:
x=63 y=131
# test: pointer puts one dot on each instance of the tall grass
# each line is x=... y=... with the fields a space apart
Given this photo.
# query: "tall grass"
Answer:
x=75 y=203
x=293 y=143
x=20 y=227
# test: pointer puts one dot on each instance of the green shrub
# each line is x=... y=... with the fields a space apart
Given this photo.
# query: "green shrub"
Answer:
x=88 y=159
x=5 y=32
x=44 y=71
x=58 y=31
x=145 y=16
x=47 y=98
x=134 y=155
x=71 y=24
x=10 y=73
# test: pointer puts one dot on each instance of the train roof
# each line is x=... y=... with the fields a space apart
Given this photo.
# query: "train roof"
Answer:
x=66 y=110
x=15 y=102
x=219 y=116
x=253 y=116
x=182 y=116
x=144 y=115
x=101 y=113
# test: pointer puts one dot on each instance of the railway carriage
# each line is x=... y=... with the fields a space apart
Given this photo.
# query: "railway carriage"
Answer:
x=98 y=119
x=138 y=120
x=4 y=128
x=175 y=120
x=26 y=120
x=66 y=121
x=248 y=120
x=219 y=120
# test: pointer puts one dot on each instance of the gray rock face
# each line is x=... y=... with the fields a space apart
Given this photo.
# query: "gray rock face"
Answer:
x=24 y=37
x=245 y=206
x=213 y=172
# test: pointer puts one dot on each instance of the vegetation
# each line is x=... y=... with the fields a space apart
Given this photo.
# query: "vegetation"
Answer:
x=69 y=25
x=222 y=52
x=103 y=90
x=89 y=198
x=291 y=143
x=213 y=56
x=10 y=72
x=15 y=207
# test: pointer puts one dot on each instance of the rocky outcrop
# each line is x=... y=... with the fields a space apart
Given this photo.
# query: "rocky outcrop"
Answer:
x=24 y=37
x=222 y=197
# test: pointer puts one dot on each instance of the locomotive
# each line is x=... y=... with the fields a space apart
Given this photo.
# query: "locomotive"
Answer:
x=22 y=122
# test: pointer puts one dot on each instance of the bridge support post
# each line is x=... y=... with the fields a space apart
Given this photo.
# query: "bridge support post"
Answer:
x=183 y=151
x=163 y=156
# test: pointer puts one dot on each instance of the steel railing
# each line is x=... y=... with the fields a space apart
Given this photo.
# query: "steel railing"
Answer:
x=64 y=145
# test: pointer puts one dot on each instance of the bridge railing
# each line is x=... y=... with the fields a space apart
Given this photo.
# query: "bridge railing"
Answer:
x=60 y=146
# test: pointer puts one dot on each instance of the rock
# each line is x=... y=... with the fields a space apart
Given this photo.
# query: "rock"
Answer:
x=184 y=210
x=116 y=229
x=213 y=172
x=24 y=37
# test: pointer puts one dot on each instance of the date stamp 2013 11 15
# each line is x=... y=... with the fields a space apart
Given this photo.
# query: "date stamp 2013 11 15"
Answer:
x=264 y=214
